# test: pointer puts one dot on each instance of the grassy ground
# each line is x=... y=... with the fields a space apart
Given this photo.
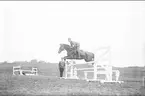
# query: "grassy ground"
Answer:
x=42 y=85
x=52 y=85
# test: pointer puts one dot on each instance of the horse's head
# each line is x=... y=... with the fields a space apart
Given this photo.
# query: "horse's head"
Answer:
x=61 y=48
x=64 y=47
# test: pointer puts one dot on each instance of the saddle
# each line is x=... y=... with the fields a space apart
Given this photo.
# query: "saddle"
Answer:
x=76 y=52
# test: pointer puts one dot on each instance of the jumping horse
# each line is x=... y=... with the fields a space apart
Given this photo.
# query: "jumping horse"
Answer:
x=72 y=54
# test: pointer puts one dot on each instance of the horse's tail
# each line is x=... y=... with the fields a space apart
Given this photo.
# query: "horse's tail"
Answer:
x=93 y=57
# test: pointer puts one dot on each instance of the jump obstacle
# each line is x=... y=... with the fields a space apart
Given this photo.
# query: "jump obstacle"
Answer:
x=71 y=71
x=143 y=80
x=19 y=69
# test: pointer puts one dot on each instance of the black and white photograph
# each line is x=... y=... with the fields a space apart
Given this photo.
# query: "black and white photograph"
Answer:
x=72 y=48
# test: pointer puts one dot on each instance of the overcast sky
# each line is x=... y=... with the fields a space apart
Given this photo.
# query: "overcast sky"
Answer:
x=34 y=29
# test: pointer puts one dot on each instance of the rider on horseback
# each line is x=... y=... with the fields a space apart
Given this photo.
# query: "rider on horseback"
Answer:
x=75 y=45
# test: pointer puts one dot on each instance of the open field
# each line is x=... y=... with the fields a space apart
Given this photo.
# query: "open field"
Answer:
x=50 y=84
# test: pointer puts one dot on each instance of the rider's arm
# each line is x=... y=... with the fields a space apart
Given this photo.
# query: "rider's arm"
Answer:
x=72 y=44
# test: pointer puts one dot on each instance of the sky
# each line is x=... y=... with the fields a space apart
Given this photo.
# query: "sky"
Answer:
x=34 y=29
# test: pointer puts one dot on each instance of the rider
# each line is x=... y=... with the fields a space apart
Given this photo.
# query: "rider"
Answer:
x=76 y=45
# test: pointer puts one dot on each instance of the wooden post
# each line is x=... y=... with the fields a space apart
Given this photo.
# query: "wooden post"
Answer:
x=85 y=73
x=66 y=65
x=35 y=71
x=110 y=71
x=95 y=71
x=71 y=71
x=143 y=81
x=17 y=69
x=109 y=66
x=117 y=75
x=75 y=73
x=21 y=72
x=13 y=71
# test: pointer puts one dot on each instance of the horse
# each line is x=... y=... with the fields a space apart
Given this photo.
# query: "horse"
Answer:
x=71 y=53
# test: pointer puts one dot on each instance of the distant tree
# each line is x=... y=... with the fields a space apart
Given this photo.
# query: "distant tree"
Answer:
x=5 y=62
x=33 y=61
x=19 y=62
x=42 y=62
x=25 y=62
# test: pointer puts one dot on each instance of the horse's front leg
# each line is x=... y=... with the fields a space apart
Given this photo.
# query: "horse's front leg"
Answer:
x=65 y=58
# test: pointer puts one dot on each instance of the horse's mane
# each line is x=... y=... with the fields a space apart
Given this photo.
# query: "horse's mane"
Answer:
x=64 y=44
x=68 y=46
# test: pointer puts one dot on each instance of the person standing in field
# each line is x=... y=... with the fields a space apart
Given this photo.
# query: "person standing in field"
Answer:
x=61 y=67
x=76 y=45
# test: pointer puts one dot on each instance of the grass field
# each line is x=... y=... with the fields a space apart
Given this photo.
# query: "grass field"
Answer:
x=48 y=84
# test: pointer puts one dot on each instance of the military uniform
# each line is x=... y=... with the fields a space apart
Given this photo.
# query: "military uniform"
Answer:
x=61 y=67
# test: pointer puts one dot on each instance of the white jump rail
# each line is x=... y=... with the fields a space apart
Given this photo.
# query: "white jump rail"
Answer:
x=19 y=69
x=70 y=65
x=108 y=71
x=34 y=71
x=143 y=81
x=117 y=73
